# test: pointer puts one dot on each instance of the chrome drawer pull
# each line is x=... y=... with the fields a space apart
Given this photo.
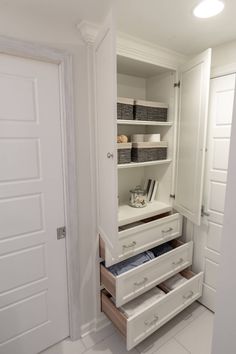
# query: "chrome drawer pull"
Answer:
x=180 y=261
x=167 y=230
x=130 y=245
x=141 y=282
x=153 y=322
x=186 y=297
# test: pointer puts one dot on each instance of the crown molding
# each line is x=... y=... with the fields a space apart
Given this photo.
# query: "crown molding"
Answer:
x=138 y=49
x=88 y=32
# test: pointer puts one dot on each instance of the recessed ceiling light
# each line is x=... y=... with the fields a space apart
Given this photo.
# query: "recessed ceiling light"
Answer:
x=208 y=8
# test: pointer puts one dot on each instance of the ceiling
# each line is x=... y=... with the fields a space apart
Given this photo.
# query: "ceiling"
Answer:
x=167 y=23
x=64 y=11
x=170 y=23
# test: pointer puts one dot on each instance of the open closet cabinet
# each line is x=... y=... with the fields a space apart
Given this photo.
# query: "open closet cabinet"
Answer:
x=125 y=231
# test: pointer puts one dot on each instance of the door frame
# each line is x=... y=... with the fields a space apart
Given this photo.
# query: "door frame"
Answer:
x=63 y=59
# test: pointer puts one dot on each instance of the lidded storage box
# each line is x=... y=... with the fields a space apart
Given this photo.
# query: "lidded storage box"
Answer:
x=124 y=153
x=149 y=151
x=125 y=108
x=150 y=111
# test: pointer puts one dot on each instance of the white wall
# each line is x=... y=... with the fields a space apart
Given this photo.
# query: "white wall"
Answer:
x=224 y=55
x=131 y=87
x=35 y=28
x=224 y=331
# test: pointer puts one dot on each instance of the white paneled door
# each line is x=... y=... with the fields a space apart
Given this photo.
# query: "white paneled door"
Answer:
x=208 y=235
x=33 y=280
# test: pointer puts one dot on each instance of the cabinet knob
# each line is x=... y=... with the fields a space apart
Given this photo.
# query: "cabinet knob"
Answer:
x=142 y=282
x=110 y=155
x=188 y=296
x=177 y=263
x=152 y=322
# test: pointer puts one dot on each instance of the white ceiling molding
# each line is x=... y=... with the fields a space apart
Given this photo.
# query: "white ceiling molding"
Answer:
x=88 y=32
x=134 y=48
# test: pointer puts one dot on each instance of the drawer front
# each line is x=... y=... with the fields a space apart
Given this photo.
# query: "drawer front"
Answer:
x=141 y=279
x=141 y=325
x=141 y=238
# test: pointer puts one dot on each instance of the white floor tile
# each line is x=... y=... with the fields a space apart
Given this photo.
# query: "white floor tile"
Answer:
x=165 y=333
x=114 y=344
x=66 y=347
x=172 y=347
x=93 y=338
x=197 y=336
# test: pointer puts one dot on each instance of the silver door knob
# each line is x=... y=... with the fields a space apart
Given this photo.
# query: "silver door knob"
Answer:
x=110 y=155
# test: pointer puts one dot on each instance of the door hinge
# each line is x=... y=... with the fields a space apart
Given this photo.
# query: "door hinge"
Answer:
x=172 y=196
x=203 y=212
x=177 y=84
x=61 y=232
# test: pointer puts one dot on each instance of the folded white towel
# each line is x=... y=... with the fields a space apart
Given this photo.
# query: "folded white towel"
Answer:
x=141 y=302
x=175 y=281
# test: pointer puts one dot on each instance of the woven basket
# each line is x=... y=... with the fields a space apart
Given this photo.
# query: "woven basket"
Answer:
x=150 y=111
x=125 y=108
x=144 y=152
x=124 y=153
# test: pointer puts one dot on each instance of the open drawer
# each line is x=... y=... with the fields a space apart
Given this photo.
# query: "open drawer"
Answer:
x=136 y=281
x=140 y=325
x=148 y=234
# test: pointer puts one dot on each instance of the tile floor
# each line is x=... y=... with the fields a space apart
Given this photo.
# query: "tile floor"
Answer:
x=188 y=333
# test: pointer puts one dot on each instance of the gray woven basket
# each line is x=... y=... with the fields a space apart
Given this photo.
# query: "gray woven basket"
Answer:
x=124 y=156
x=152 y=154
x=124 y=153
x=125 y=109
x=156 y=114
x=150 y=111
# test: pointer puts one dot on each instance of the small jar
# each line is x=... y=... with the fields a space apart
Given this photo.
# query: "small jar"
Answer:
x=138 y=197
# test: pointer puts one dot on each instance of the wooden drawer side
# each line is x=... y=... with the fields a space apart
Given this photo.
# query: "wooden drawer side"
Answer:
x=116 y=316
x=108 y=280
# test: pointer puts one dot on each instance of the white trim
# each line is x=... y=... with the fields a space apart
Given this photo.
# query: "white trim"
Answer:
x=223 y=70
x=134 y=48
x=95 y=325
x=64 y=61
x=88 y=32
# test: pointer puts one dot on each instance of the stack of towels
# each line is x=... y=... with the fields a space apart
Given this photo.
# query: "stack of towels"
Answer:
x=140 y=303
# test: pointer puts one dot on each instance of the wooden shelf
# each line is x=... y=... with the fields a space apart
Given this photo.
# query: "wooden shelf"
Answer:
x=142 y=122
x=128 y=214
x=143 y=164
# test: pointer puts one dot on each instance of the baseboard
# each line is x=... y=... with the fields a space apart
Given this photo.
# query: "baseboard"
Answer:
x=95 y=325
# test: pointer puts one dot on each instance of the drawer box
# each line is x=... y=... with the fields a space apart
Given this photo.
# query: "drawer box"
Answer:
x=143 y=323
x=144 y=237
x=137 y=281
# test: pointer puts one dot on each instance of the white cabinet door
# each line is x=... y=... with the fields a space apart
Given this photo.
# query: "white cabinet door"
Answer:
x=207 y=237
x=192 y=124
x=33 y=287
x=107 y=192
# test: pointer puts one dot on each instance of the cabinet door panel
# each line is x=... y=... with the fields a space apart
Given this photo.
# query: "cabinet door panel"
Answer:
x=105 y=91
x=192 y=125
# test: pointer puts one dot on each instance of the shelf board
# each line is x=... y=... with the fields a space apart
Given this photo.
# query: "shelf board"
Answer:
x=143 y=164
x=143 y=122
x=128 y=214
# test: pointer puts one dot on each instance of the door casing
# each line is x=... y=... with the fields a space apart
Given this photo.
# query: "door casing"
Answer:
x=63 y=59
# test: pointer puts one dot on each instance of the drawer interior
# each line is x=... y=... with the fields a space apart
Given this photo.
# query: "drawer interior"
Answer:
x=145 y=221
x=187 y=274
x=117 y=316
x=108 y=278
